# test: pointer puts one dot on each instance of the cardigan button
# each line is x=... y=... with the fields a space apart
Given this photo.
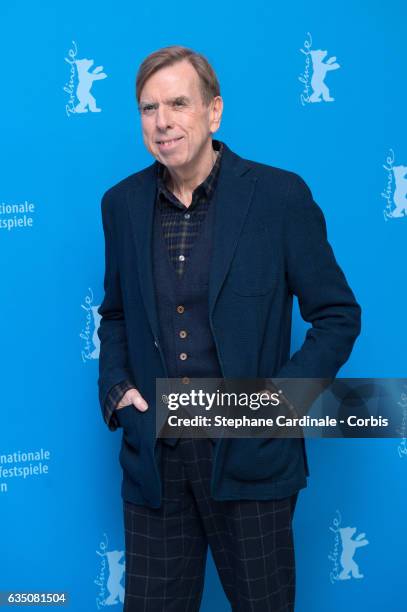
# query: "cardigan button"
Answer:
x=183 y=333
x=183 y=356
x=180 y=309
x=185 y=380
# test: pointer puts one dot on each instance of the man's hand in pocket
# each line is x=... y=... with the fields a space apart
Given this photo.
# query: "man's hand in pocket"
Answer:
x=132 y=396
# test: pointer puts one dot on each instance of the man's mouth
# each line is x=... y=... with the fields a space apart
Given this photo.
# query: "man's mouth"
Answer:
x=168 y=142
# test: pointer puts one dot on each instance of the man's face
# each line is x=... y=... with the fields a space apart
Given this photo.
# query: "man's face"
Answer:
x=175 y=122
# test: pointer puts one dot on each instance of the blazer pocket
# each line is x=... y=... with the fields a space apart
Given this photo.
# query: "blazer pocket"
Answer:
x=127 y=420
x=252 y=272
x=275 y=459
x=129 y=459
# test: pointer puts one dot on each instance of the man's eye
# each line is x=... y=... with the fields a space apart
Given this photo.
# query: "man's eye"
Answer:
x=179 y=103
x=147 y=108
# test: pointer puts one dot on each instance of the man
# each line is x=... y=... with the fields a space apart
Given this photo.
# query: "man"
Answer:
x=204 y=252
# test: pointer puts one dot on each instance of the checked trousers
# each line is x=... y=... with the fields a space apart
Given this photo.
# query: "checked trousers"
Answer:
x=251 y=542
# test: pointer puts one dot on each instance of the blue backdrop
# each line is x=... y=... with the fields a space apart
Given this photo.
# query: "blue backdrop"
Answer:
x=316 y=88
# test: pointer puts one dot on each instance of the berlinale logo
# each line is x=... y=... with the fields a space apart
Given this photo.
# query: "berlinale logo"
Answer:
x=314 y=74
x=80 y=83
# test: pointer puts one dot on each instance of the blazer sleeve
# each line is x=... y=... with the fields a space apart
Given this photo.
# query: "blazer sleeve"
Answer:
x=325 y=299
x=113 y=357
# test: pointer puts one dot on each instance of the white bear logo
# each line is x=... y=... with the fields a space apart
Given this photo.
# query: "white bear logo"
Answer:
x=400 y=192
x=85 y=83
x=349 y=545
x=320 y=68
x=95 y=338
x=116 y=571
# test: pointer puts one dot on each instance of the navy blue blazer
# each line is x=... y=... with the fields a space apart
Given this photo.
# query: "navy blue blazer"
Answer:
x=269 y=243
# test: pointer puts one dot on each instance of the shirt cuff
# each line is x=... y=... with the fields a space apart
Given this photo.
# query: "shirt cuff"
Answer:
x=112 y=400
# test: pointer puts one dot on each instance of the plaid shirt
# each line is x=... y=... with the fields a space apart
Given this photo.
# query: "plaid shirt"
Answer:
x=181 y=225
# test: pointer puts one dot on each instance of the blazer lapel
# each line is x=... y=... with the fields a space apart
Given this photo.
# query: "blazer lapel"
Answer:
x=232 y=198
x=141 y=201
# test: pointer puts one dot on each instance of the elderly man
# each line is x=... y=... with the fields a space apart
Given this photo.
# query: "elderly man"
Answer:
x=204 y=252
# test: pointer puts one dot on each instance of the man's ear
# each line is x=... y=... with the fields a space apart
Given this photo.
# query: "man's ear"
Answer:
x=216 y=113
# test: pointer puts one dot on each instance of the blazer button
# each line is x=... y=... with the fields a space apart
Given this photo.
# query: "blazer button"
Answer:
x=183 y=333
x=180 y=309
x=183 y=356
x=185 y=380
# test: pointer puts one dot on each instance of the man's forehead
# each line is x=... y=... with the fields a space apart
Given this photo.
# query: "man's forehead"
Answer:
x=179 y=97
x=180 y=79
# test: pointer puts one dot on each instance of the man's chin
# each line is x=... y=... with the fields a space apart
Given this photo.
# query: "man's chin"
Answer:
x=173 y=162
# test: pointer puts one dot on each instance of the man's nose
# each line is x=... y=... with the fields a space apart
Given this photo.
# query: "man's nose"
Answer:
x=163 y=117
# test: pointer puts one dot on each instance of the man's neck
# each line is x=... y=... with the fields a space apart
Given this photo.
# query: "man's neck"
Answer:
x=182 y=184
